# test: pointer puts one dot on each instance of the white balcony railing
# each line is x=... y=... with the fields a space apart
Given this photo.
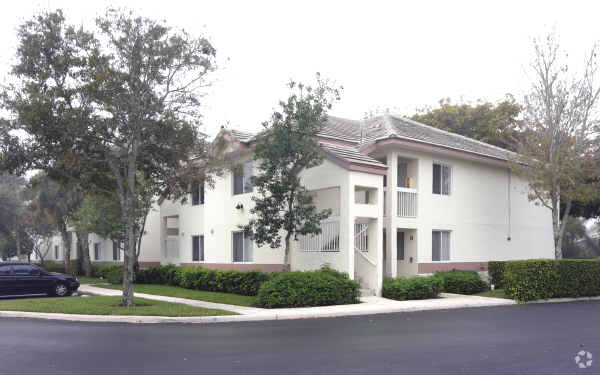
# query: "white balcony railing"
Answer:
x=327 y=241
x=407 y=202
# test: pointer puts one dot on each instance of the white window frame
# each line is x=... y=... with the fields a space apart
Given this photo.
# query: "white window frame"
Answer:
x=451 y=182
x=97 y=254
x=246 y=180
x=449 y=242
x=201 y=253
x=245 y=242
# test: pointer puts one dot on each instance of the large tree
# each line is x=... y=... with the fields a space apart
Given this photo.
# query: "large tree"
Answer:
x=287 y=146
x=101 y=108
x=496 y=124
x=557 y=156
x=13 y=216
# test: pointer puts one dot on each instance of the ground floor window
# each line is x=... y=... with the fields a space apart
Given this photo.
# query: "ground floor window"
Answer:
x=197 y=248
x=440 y=245
x=242 y=247
x=400 y=245
x=116 y=251
x=97 y=251
x=56 y=252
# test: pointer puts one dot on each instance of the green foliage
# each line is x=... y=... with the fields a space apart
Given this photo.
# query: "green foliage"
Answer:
x=244 y=283
x=115 y=276
x=496 y=271
x=103 y=270
x=285 y=148
x=461 y=282
x=494 y=124
x=527 y=280
x=410 y=288
x=312 y=288
x=101 y=215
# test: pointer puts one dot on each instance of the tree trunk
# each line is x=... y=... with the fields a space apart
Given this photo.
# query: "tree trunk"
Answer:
x=83 y=239
x=128 y=256
x=287 y=255
x=18 y=237
x=64 y=234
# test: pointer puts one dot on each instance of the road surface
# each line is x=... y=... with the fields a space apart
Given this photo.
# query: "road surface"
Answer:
x=527 y=339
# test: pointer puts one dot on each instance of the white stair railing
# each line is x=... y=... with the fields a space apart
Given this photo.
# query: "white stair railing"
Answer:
x=361 y=241
x=327 y=241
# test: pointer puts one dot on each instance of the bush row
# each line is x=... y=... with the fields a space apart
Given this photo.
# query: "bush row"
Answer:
x=496 y=272
x=407 y=288
x=527 y=280
x=245 y=283
x=461 y=282
x=310 y=288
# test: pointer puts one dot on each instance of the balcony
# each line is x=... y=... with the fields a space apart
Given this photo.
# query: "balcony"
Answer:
x=407 y=202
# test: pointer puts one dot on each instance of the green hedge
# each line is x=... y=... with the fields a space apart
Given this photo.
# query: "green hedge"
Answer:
x=408 y=288
x=461 y=282
x=496 y=272
x=527 y=280
x=115 y=276
x=103 y=270
x=311 y=288
x=245 y=283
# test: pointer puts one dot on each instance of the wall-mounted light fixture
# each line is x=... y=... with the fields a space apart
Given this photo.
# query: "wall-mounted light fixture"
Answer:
x=239 y=206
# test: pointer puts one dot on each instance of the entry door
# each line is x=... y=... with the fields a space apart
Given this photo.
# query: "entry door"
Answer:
x=400 y=246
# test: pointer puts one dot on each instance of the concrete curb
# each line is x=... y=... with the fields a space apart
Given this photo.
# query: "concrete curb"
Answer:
x=370 y=306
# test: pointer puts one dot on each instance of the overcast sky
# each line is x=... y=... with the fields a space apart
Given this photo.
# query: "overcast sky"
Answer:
x=390 y=54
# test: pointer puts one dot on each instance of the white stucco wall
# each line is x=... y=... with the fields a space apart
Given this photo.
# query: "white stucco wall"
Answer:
x=476 y=212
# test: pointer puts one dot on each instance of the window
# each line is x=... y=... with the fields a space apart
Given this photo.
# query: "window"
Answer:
x=197 y=248
x=116 y=251
x=4 y=270
x=442 y=179
x=384 y=245
x=198 y=194
x=400 y=245
x=97 y=251
x=242 y=248
x=402 y=174
x=56 y=252
x=242 y=179
x=440 y=245
x=24 y=270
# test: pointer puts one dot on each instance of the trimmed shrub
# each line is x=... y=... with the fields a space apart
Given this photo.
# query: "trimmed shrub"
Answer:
x=496 y=271
x=408 y=288
x=311 y=288
x=527 y=280
x=115 y=276
x=461 y=282
x=102 y=270
x=245 y=283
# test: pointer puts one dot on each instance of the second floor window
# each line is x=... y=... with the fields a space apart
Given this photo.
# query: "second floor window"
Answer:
x=442 y=179
x=198 y=194
x=241 y=179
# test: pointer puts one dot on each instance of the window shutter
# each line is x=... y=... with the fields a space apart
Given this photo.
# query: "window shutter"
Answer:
x=445 y=246
x=437 y=179
x=201 y=193
x=436 y=238
x=196 y=194
x=248 y=250
x=201 y=247
x=195 y=248
x=446 y=179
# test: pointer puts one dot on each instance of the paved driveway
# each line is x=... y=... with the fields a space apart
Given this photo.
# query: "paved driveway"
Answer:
x=528 y=339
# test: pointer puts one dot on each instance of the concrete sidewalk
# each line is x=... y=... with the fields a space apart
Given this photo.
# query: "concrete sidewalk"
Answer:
x=243 y=310
x=368 y=306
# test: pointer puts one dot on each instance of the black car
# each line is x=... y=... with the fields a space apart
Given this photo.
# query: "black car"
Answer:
x=19 y=279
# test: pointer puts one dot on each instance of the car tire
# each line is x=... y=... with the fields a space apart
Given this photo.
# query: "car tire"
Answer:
x=61 y=290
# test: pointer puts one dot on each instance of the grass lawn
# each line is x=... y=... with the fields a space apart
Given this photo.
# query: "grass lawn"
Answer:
x=200 y=295
x=90 y=280
x=105 y=306
x=498 y=293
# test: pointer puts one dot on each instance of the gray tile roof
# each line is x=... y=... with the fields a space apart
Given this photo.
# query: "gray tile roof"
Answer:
x=350 y=154
x=241 y=136
x=390 y=126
